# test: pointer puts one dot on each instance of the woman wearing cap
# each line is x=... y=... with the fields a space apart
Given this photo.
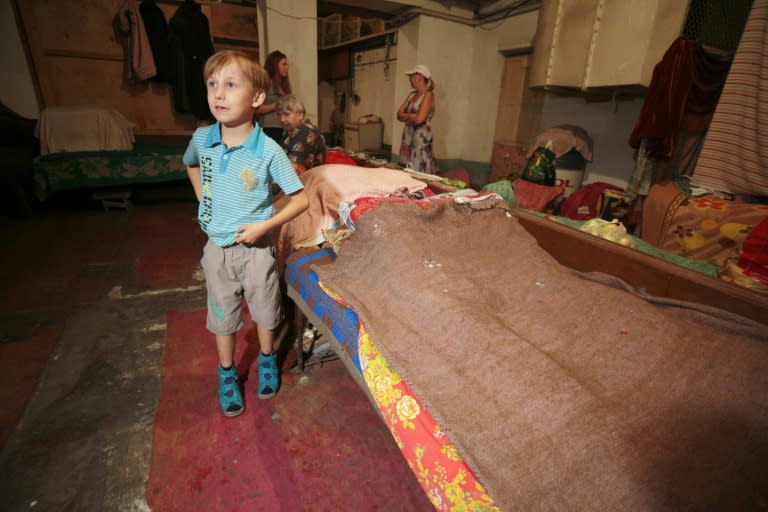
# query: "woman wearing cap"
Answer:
x=416 y=112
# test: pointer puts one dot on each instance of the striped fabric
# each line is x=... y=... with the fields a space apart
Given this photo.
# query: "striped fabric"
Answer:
x=236 y=182
x=735 y=154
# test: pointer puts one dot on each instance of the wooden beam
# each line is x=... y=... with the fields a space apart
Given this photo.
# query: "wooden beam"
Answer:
x=56 y=52
x=30 y=32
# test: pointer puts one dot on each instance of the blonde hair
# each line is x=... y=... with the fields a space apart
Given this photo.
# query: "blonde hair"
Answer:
x=290 y=103
x=250 y=68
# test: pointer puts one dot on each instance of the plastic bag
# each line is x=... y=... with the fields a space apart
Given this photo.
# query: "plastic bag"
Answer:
x=610 y=230
x=540 y=168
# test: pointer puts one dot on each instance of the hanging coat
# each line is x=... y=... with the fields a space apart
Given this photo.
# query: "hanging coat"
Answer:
x=157 y=32
x=191 y=46
x=140 y=63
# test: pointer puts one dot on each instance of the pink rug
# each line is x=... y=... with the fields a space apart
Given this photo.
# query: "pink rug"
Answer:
x=314 y=447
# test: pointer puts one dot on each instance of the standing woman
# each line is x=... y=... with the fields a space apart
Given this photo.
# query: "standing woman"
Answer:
x=276 y=66
x=416 y=112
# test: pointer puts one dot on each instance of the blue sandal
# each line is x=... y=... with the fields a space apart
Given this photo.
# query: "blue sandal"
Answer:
x=230 y=398
x=269 y=377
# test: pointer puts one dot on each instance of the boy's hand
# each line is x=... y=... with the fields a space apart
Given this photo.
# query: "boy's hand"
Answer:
x=251 y=233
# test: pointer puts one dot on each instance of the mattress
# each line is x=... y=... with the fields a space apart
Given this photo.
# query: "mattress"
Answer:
x=561 y=393
x=445 y=477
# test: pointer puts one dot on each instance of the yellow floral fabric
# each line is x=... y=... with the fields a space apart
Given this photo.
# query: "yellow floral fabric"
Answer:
x=448 y=482
x=445 y=477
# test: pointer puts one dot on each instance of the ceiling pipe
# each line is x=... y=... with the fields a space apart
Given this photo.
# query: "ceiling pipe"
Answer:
x=436 y=14
x=488 y=11
x=479 y=20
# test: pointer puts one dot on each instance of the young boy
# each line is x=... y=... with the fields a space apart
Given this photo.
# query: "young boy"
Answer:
x=231 y=165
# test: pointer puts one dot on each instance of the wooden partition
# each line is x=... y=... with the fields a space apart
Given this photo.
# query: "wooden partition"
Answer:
x=588 y=253
x=78 y=58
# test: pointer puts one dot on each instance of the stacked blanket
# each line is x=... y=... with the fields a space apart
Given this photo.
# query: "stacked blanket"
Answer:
x=83 y=128
x=329 y=185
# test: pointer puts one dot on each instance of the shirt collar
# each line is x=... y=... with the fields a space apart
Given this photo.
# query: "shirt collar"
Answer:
x=214 y=136
x=306 y=123
x=254 y=142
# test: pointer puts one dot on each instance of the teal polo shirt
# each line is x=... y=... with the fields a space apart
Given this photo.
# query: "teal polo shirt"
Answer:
x=235 y=182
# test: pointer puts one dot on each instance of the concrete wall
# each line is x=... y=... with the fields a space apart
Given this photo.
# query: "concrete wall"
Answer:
x=292 y=29
x=17 y=90
x=448 y=49
x=467 y=65
x=609 y=124
x=407 y=57
x=374 y=84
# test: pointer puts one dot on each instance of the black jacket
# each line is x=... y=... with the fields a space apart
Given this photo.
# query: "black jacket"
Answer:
x=190 y=40
x=157 y=33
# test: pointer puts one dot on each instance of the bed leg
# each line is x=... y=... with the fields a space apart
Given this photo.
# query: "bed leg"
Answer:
x=299 y=323
x=119 y=198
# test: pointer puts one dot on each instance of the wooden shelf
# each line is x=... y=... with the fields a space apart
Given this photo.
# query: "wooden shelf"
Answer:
x=360 y=39
x=335 y=31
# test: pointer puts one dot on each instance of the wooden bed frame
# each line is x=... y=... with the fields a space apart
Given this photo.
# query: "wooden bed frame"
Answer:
x=147 y=162
x=587 y=253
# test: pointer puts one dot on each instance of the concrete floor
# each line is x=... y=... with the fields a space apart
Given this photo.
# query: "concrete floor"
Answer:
x=98 y=284
x=84 y=440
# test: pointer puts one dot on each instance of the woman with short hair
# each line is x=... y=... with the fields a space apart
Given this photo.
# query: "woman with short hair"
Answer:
x=300 y=139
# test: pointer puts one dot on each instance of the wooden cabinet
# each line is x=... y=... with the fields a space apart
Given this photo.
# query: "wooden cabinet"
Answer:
x=334 y=65
x=603 y=43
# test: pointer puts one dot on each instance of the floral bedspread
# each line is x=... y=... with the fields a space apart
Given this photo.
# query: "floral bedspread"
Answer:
x=706 y=228
x=93 y=169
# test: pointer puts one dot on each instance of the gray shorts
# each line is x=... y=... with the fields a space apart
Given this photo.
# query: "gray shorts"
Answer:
x=241 y=272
